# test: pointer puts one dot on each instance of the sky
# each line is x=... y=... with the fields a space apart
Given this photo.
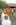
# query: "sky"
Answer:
x=10 y=1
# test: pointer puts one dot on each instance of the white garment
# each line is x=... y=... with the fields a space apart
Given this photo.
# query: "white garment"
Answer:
x=5 y=22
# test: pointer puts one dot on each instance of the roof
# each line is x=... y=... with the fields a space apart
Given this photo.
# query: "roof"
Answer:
x=12 y=4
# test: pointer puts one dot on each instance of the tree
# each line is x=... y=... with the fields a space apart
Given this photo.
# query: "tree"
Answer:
x=3 y=5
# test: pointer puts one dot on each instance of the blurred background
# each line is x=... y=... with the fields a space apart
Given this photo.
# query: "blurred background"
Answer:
x=4 y=5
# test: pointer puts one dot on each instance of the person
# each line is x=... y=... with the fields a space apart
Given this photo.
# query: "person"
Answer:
x=5 y=20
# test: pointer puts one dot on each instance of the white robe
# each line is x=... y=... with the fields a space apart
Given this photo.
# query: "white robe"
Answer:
x=5 y=22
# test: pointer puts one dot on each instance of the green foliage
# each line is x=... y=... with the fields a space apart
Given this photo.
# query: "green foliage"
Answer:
x=3 y=4
x=0 y=13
